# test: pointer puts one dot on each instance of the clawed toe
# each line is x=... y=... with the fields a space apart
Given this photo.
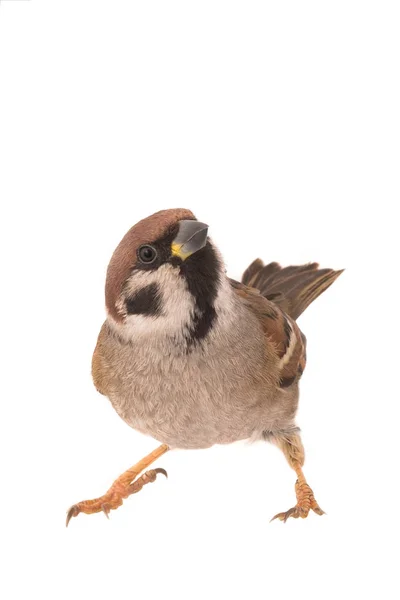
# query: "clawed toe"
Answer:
x=119 y=491
x=318 y=510
x=295 y=513
x=283 y=516
x=305 y=503
x=72 y=512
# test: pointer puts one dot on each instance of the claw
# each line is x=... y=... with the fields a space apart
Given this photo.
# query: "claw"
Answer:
x=162 y=471
x=283 y=516
x=73 y=512
x=277 y=516
x=318 y=510
x=106 y=510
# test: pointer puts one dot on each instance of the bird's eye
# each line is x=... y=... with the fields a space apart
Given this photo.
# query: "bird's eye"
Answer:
x=147 y=254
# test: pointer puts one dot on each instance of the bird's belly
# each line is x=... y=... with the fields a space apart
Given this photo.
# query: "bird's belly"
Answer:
x=187 y=410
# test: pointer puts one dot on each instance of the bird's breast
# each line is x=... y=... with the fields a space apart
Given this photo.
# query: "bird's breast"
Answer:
x=216 y=393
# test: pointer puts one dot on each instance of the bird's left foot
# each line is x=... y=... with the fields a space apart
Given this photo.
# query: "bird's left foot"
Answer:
x=305 y=503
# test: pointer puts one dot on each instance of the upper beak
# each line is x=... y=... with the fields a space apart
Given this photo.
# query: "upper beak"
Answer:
x=192 y=236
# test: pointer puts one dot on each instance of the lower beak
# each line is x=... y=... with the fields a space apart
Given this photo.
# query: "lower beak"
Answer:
x=192 y=236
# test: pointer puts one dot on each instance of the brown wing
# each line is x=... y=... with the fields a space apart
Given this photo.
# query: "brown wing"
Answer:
x=283 y=336
x=100 y=370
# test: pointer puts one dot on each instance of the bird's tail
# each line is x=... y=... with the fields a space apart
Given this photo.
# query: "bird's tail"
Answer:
x=291 y=288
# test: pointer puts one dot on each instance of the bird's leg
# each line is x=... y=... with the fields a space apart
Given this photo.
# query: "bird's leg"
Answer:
x=122 y=487
x=292 y=447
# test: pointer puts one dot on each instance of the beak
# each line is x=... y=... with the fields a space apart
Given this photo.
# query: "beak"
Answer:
x=192 y=236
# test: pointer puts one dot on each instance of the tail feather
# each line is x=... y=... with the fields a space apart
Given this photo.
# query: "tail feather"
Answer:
x=291 y=288
x=252 y=271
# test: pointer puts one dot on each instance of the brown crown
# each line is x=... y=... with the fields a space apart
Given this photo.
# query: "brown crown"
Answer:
x=124 y=258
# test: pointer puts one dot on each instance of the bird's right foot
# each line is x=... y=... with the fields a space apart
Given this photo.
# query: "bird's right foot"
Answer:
x=124 y=486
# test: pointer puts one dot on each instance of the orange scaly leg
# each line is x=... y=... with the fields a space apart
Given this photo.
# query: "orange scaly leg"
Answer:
x=122 y=487
x=305 y=500
x=292 y=448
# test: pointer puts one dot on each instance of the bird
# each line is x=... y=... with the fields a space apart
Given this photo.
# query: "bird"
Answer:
x=193 y=358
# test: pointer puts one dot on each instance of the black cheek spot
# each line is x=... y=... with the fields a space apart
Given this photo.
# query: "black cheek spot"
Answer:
x=146 y=301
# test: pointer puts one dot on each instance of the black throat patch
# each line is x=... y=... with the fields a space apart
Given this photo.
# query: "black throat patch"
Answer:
x=202 y=273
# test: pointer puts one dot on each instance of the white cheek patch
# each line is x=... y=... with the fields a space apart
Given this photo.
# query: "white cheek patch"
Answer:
x=177 y=305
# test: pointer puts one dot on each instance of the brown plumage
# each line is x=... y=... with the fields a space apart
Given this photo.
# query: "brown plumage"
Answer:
x=124 y=257
x=192 y=358
x=291 y=288
x=280 y=330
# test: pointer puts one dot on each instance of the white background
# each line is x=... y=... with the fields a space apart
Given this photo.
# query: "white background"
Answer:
x=278 y=124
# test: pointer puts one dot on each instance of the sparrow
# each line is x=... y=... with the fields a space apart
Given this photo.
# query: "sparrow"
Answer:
x=193 y=358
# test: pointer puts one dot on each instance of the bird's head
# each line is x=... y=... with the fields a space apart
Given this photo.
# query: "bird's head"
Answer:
x=163 y=278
